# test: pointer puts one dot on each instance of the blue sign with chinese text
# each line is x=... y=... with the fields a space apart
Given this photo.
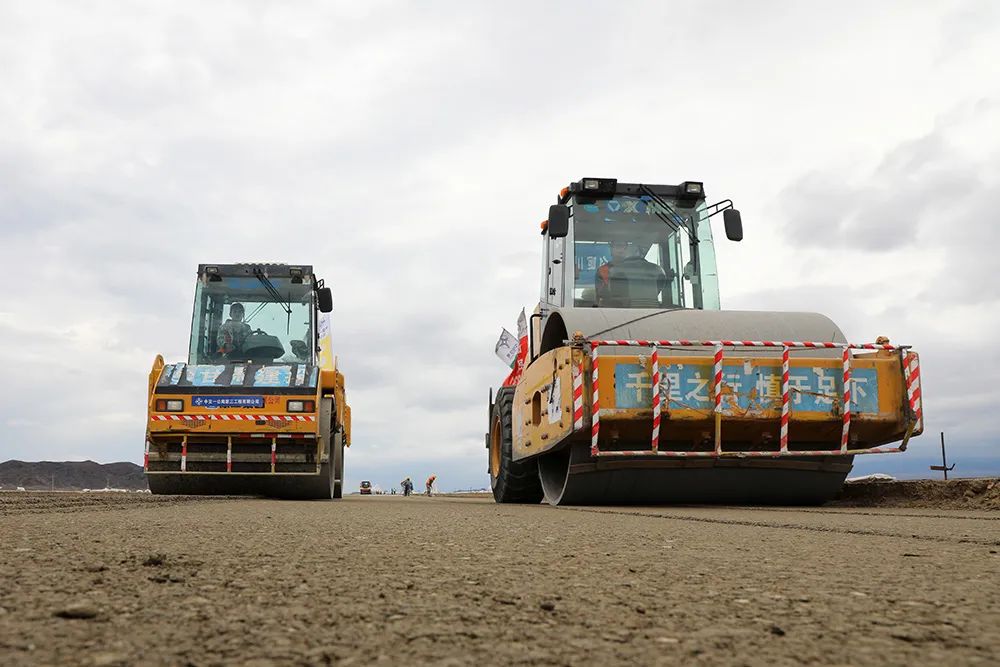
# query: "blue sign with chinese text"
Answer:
x=239 y=375
x=227 y=401
x=754 y=387
x=273 y=376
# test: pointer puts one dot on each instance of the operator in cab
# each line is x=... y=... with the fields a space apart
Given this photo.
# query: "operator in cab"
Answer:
x=234 y=331
x=610 y=282
x=629 y=280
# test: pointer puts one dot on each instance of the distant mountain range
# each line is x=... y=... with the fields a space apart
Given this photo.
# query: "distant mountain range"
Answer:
x=70 y=475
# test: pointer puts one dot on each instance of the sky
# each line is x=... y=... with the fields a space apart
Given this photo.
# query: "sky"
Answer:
x=409 y=151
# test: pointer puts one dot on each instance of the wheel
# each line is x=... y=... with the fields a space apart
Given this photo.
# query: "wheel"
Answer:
x=323 y=485
x=512 y=481
x=338 y=469
x=326 y=486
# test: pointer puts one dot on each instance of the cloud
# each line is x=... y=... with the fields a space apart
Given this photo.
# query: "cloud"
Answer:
x=919 y=192
x=906 y=249
x=409 y=154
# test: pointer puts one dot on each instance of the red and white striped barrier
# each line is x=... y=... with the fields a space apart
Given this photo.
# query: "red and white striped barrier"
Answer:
x=911 y=372
x=595 y=414
x=578 y=397
x=742 y=343
x=234 y=417
x=229 y=449
x=145 y=457
x=717 y=388
x=786 y=405
x=846 y=408
x=655 y=368
x=750 y=454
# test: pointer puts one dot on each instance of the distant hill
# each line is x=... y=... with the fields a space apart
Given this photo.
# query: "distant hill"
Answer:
x=70 y=475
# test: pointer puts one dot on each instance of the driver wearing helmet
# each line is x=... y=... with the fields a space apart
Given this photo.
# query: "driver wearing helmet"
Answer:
x=234 y=331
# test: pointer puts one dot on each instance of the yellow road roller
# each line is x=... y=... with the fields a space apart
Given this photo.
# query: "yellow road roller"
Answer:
x=259 y=407
x=635 y=387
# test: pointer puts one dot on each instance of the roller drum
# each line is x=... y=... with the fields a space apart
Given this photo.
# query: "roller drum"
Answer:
x=571 y=477
x=301 y=487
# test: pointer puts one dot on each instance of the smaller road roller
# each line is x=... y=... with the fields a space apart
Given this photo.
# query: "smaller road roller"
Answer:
x=259 y=407
x=633 y=386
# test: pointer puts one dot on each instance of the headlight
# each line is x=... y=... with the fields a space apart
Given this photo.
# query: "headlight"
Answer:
x=301 y=406
x=596 y=187
x=169 y=405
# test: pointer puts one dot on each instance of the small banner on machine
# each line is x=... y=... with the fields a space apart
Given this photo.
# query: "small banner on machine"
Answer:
x=506 y=348
x=522 y=351
x=325 y=342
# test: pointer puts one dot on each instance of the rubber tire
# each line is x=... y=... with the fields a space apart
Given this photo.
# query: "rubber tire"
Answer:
x=338 y=470
x=516 y=481
x=322 y=488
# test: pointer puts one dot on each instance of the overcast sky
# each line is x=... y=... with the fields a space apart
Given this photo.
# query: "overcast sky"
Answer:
x=409 y=152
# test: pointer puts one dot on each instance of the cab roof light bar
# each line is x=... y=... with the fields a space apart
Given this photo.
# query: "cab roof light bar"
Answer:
x=606 y=188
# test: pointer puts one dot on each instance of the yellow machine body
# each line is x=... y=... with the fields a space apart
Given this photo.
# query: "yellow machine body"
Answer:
x=243 y=420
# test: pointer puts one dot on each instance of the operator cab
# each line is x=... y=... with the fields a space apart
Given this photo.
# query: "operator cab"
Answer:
x=256 y=313
x=626 y=245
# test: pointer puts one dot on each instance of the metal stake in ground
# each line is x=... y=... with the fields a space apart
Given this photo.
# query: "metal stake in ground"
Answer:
x=944 y=461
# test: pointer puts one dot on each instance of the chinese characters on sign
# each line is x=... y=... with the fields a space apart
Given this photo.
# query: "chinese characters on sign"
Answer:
x=236 y=375
x=273 y=376
x=227 y=401
x=690 y=386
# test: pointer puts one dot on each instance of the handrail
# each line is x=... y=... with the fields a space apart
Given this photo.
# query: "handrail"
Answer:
x=911 y=377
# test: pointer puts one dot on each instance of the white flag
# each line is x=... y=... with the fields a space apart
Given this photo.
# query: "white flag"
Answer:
x=507 y=348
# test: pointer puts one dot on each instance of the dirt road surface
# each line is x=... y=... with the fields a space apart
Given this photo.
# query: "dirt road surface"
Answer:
x=123 y=580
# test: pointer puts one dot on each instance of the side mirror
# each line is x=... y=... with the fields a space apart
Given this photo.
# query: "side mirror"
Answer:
x=558 y=221
x=324 y=299
x=734 y=224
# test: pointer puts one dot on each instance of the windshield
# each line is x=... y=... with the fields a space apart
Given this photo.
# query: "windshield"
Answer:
x=631 y=252
x=239 y=319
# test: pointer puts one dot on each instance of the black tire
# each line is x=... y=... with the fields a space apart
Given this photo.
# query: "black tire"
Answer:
x=338 y=469
x=319 y=488
x=511 y=481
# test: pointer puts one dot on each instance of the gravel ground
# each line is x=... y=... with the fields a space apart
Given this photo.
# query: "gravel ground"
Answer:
x=121 y=580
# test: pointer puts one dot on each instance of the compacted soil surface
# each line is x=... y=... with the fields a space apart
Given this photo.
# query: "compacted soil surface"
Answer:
x=975 y=493
x=139 y=580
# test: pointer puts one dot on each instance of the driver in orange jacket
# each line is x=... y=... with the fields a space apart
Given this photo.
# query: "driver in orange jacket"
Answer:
x=610 y=283
x=233 y=331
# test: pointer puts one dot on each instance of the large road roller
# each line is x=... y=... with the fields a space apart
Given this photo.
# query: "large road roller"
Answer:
x=259 y=406
x=635 y=387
